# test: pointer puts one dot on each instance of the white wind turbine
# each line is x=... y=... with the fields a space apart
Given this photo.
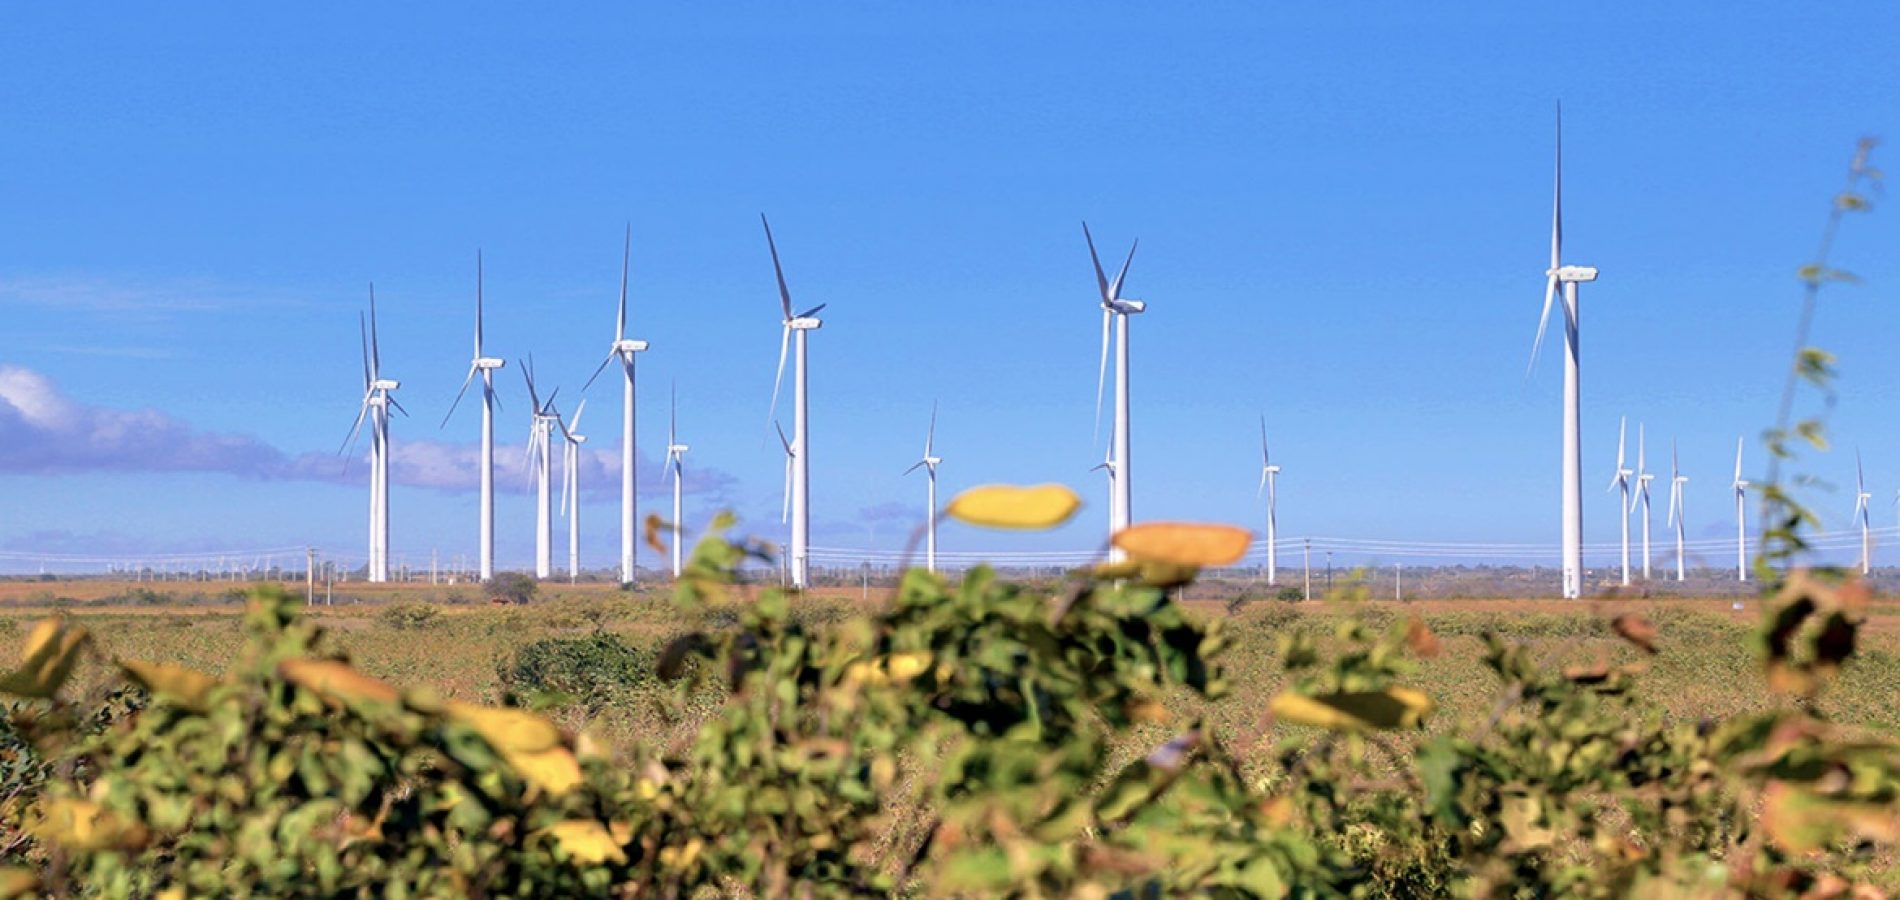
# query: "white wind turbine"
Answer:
x=378 y=399
x=929 y=464
x=1741 y=517
x=486 y=366
x=1115 y=311
x=1108 y=465
x=1269 y=477
x=798 y=475
x=1676 y=512
x=1643 y=478
x=571 y=486
x=1622 y=479
x=1569 y=277
x=540 y=434
x=624 y=349
x=791 y=455
x=1862 y=502
x=676 y=467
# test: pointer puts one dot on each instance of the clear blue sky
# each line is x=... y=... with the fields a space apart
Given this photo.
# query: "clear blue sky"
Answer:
x=1343 y=215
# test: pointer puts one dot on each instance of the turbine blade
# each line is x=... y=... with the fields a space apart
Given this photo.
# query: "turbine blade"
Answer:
x=784 y=293
x=601 y=368
x=784 y=344
x=362 y=332
x=673 y=416
x=478 y=303
x=1557 y=197
x=1622 y=441
x=349 y=440
x=578 y=410
x=1265 y=458
x=1738 y=460
x=375 y=346
x=1543 y=324
x=813 y=311
x=396 y=403
x=785 y=511
x=1101 y=280
x=1262 y=490
x=527 y=375
x=781 y=439
x=1115 y=287
x=626 y=260
x=930 y=435
x=1101 y=374
x=1860 y=474
x=914 y=467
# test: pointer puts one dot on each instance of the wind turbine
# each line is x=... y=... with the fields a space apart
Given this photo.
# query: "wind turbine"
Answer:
x=929 y=464
x=486 y=366
x=1622 y=479
x=539 y=452
x=1115 y=311
x=624 y=349
x=1569 y=277
x=798 y=488
x=1643 y=478
x=1861 y=503
x=1676 y=511
x=378 y=399
x=1108 y=465
x=791 y=456
x=676 y=466
x=1741 y=517
x=571 y=487
x=1269 y=476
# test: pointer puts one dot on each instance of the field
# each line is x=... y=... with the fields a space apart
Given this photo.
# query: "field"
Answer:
x=1705 y=670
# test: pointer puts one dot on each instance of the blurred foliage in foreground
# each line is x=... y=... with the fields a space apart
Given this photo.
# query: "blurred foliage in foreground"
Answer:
x=989 y=715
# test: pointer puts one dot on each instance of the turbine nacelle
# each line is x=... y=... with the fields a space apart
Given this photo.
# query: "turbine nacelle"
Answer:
x=804 y=323
x=626 y=345
x=488 y=363
x=1573 y=274
x=1126 y=307
x=677 y=449
x=384 y=384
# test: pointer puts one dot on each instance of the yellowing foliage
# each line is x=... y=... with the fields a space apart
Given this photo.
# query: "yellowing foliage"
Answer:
x=1012 y=507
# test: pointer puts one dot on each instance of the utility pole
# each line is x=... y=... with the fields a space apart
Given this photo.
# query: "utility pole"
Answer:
x=432 y=566
x=1329 y=573
x=1308 y=554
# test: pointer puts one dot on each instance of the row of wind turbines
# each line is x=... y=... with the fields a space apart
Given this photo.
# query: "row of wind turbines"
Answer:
x=796 y=329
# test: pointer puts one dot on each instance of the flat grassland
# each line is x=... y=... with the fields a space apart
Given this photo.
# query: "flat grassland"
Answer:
x=1707 y=668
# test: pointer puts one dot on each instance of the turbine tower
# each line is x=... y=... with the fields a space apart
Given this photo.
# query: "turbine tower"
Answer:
x=1108 y=465
x=1862 y=501
x=676 y=466
x=378 y=399
x=623 y=349
x=1643 y=478
x=486 y=366
x=571 y=487
x=1115 y=311
x=1622 y=479
x=540 y=433
x=1269 y=476
x=798 y=491
x=1741 y=517
x=1569 y=277
x=1676 y=512
x=929 y=464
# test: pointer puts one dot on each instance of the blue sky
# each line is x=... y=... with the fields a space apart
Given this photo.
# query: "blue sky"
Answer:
x=1343 y=215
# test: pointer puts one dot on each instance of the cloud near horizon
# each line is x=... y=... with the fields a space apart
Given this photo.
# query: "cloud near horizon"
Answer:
x=42 y=431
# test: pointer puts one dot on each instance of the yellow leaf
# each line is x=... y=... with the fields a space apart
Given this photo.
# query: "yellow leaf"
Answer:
x=905 y=666
x=84 y=825
x=187 y=687
x=585 y=841
x=508 y=730
x=555 y=770
x=18 y=881
x=1010 y=506
x=1394 y=707
x=52 y=649
x=1184 y=543
x=336 y=681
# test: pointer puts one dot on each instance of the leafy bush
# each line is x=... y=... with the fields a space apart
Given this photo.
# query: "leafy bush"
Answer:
x=409 y=616
x=595 y=672
x=514 y=587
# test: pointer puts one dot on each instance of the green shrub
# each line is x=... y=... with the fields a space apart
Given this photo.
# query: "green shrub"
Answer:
x=594 y=672
x=409 y=616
